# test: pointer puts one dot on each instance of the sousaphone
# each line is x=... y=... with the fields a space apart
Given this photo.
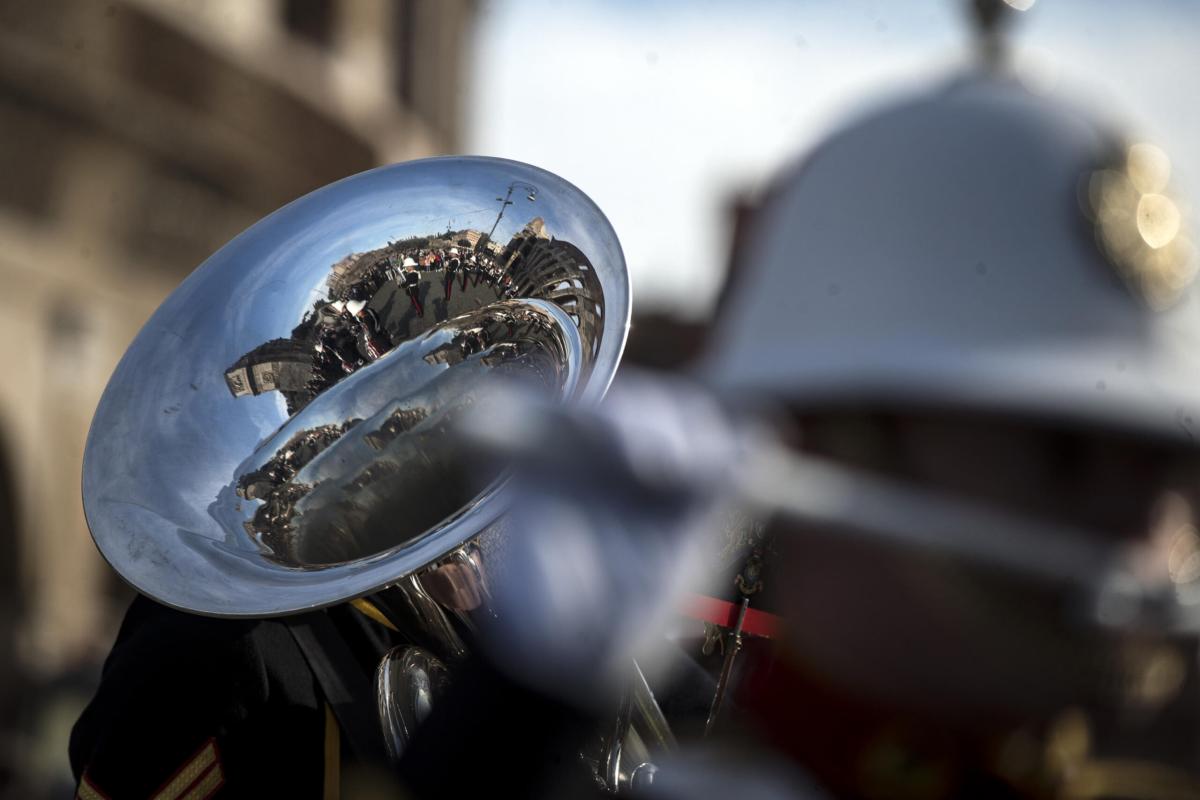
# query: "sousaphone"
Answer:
x=280 y=435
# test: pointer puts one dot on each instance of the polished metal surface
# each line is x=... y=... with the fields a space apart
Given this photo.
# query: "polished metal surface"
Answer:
x=458 y=582
x=649 y=716
x=407 y=682
x=624 y=765
x=279 y=436
x=638 y=732
x=420 y=618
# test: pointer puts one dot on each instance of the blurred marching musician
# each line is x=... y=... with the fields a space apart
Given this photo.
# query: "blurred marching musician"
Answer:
x=989 y=493
x=969 y=319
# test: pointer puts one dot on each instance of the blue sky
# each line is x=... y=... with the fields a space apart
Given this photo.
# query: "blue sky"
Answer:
x=662 y=110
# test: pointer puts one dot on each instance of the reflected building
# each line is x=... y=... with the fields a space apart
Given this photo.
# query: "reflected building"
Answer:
x=541 y=266
x=280 y=365
x=347 y=272
x=465 y=238
x=469 y=239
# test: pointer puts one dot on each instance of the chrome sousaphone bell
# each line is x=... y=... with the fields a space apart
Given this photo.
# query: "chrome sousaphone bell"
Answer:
x=278 y=437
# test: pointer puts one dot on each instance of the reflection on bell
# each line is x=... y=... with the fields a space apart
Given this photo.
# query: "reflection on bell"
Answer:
x=280 y=435
x=407 y=682
x=391 y=467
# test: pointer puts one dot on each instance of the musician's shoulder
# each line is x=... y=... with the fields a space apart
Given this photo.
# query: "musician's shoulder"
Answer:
x=155 y=639
x=183 y=694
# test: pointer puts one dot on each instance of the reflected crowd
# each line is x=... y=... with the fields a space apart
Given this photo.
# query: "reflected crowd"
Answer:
x=381 y=298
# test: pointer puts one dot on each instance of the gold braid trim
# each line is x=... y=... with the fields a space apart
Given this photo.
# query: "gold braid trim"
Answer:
x=333 y=757
x=87 y=791
x=188 y=774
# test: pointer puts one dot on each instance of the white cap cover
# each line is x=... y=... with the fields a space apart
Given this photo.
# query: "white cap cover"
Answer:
x=937 y=253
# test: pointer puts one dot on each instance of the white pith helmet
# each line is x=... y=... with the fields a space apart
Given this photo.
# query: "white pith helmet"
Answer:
x=978 y=247
x=410 y=262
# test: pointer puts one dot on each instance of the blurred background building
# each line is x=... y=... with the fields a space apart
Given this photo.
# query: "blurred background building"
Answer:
x=138 y=136
x=135 y=139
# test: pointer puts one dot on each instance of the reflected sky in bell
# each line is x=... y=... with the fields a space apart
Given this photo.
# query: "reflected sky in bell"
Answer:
x=663 y=110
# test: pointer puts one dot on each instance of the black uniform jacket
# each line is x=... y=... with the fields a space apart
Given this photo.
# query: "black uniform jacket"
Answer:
x=194 y=707
x=190 y=706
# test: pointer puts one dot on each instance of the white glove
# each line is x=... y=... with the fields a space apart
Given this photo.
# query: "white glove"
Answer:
x=611 y=509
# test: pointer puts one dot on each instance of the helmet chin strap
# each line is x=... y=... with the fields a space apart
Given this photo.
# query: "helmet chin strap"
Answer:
x=853 y=503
